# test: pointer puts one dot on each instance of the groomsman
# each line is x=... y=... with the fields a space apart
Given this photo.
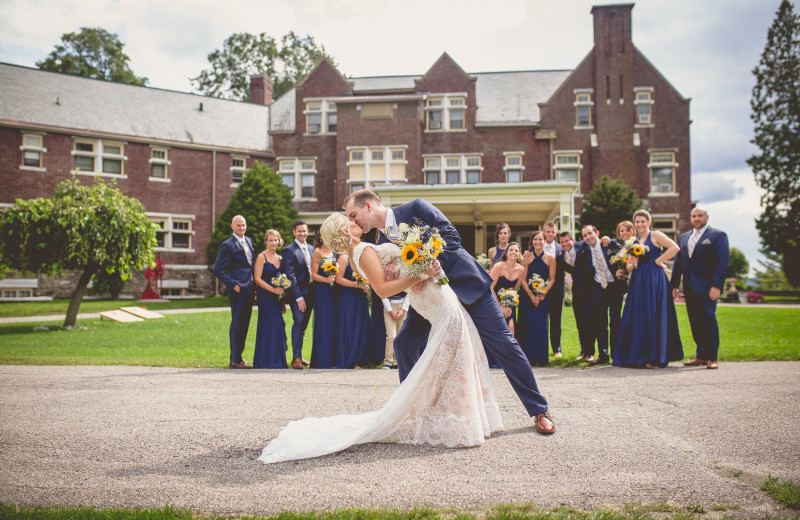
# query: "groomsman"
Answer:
x=552 y=248
x=566 y=261
x=297 y=261
x=702 y=264
x=234 y=268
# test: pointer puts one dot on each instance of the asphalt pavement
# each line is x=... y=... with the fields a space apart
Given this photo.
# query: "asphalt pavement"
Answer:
x=149 y=437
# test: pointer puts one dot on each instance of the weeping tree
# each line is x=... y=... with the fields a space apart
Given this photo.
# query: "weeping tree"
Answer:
x=88 y=229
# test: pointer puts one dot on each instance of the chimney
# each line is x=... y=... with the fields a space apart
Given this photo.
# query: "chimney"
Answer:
x=260 y=90
x=612 y=28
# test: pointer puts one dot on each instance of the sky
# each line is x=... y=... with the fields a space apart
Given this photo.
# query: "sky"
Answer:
x=707 y=49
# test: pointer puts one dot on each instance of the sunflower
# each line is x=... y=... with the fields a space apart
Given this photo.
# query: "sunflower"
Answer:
x=409 y=254
x=535 y=286
x=637 y=250
x=330 y=267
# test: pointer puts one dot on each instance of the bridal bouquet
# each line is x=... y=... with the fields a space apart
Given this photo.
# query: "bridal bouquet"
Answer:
x=329 y=267
x=281 y=281
x=508 y=298
x=537 y=284
x=421 y=245
x=484 y=261
x=361 y=283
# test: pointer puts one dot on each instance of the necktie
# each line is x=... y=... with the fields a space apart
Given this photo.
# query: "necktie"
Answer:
x=571 y=257
x=391 y=234
x=304 y=247
x=693 y=242
x=600 y=267
x=247 y=252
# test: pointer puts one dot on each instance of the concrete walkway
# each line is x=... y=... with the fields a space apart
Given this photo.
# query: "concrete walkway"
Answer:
x=149 y=437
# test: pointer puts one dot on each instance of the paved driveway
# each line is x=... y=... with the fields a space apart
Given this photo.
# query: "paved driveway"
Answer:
x=148 y=437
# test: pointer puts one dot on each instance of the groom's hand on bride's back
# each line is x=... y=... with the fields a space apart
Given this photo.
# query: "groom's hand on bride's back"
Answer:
x=391 y=272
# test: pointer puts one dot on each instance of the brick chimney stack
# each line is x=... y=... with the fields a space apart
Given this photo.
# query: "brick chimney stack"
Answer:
x=260 y=90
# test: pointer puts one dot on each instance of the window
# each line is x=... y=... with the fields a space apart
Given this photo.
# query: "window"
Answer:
x=667 y=226
x=385 y=165
x=299 y=175
x=513 y=167
x=583 y=109
x=662 y=172
x=32 y=152
x=452 y=169
x=643 y=101
x=18 y=288
x=446 y=112
x=158 y=164
x=238 y=167
x=97 y=157
x=321 y=118
x=173 y=232
x=567 y=166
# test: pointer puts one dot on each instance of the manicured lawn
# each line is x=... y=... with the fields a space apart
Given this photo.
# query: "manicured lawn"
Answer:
x=201 y=340
x=16 y=309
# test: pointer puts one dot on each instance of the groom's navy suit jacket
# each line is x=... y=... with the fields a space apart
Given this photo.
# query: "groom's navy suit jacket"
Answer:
x=471 y=284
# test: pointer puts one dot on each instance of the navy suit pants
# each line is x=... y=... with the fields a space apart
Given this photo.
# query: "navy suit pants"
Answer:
x=703 y=320
x=496 y=338
x=556 y=307
x=299 y=325
x=241 y=310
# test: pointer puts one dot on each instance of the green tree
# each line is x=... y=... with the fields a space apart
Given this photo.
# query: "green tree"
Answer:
x=771 y=277
x=738 y=266
x=81 y=228
x=244 y=55
x=609 y=203
x=93 y=53
x=776 y=115
x=264 y=201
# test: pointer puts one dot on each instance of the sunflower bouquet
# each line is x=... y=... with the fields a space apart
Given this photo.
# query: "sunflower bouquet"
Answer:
x=421 y=245
x=281 y=281
x=329 y=267
x=537 y=284
x=361 y=282
x=484 y=261
x=620 y=259
x=635 y=249
x=508 y=298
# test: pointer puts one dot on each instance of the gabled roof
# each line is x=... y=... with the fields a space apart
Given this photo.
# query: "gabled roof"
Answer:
x=73 y=103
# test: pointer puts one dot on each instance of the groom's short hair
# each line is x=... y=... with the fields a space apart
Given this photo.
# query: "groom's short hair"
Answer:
x=360 y=197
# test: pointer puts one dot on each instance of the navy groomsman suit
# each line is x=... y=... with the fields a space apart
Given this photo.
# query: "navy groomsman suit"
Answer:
x=704 y=269
x=556 y=293
x=616 y=294
x=299 y=273
x=471 y=284
x=591 y=302
x=233 y=268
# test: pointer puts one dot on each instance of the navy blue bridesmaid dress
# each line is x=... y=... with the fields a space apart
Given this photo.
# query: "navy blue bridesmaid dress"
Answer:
x=352 y=325
x=270 y=351
x=648 y=331
x=323 y=349
x=498 y=255
x=532 y=335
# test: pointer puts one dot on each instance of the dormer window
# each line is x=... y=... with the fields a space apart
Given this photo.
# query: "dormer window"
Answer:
x=321 y=118
x=446 y=112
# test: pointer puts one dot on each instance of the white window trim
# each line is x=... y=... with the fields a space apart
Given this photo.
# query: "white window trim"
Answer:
x=445 y=108
x=237 y=169
x=298 y=173
x=25 y=148
x=98 y=158
x=377 y=180
x=443 y=168
x=674 y=165
x=166 y=162
x=324 y=111
x=168 y=231
x=555 y=166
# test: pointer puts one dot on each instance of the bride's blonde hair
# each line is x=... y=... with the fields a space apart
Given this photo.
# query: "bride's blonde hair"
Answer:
x=332 y=231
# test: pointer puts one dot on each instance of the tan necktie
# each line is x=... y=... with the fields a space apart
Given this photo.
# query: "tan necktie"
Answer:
x=600 y=266
x=307 y=256
x=247 y=252
x=693 y=242
x=391 y=234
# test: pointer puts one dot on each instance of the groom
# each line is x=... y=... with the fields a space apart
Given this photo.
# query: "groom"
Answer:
x=471 y=284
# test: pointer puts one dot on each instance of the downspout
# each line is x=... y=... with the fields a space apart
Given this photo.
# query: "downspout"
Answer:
x=214 y=206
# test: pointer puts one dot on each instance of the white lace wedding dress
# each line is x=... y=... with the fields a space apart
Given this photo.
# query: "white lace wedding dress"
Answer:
x=447 y=399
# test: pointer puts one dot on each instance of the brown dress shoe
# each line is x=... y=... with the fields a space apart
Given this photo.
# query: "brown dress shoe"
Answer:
x=695 y=363
x=240 y=365
x=545 y=424
x=304 y=362
x=712 y=365
x=297 y=363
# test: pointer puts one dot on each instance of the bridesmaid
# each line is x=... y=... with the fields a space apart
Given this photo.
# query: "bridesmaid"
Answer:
x=323 y=350
x=617 y=289
x=506 y=274
x=502 y=234
x=648 y=335
x=270 y=351
x=533 y=309
x=352 y=330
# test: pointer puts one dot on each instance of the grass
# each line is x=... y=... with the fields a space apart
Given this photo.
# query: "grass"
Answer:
x=17 y=309
x=785 y=492
x=505 y=512
x=201 y=340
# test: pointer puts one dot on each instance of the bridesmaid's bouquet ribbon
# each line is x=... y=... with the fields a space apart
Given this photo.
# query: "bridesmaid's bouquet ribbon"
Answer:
x=281 y=281
x=421 y=245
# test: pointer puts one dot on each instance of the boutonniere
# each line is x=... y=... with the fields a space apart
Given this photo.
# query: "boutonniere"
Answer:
x=706 y=242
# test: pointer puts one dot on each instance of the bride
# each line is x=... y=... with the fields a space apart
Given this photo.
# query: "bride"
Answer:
x=447 y=400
